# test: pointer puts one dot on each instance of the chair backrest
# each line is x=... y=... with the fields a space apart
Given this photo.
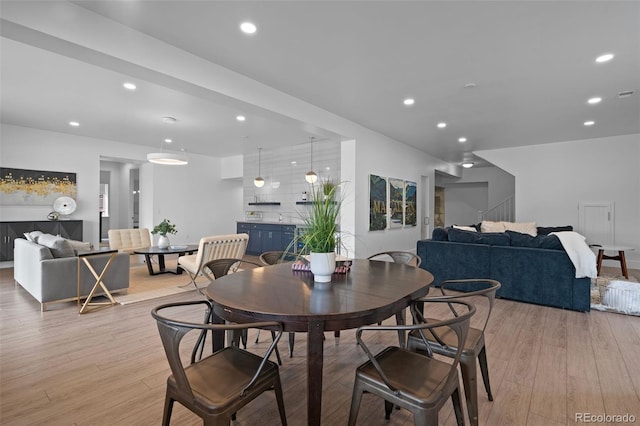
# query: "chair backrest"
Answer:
x=221 y=247
x=405 y=257
x=468 y=288
x=458 y=323
x=221 y=267
x=275 y=257
x=128 y=240
x=172 y=331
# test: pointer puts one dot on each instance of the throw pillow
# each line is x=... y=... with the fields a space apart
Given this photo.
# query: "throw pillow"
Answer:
x=466 y=228
x=522 y=227
x=59 y=246
x=550 y=242
x=489 y=226
x=489 y=238
x=33 y=236
x=80 y=246
x=547 y=230
x=440 y=234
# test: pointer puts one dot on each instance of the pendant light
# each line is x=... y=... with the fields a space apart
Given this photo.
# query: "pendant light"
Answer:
x=259 y=181
x=168 y=158
x=311 y=176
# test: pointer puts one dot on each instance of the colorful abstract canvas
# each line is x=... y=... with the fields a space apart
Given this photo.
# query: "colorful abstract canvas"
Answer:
x=377 y=203
x=35 y=187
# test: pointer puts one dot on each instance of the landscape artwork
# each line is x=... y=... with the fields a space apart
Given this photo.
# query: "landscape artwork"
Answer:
x=35 y=187
x=396 y=203
x=377 y=203
x=410 y=203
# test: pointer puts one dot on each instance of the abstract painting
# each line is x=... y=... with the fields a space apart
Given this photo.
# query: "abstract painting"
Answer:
x=377 y=203
x=35 y=187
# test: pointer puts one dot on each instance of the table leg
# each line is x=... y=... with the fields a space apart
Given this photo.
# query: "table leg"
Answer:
x=600 y=257
x=98 y=283
x=314 y=372
x=623 y=264
x=161 y=262
x=147 y=258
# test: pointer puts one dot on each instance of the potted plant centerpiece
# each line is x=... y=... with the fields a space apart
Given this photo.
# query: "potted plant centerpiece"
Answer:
x=320 y=235
x=163 y=228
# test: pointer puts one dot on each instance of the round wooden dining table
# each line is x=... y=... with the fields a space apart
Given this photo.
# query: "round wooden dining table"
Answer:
x=371 y=291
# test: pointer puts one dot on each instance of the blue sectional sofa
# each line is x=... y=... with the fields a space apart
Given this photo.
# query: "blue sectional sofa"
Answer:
x=530 y=269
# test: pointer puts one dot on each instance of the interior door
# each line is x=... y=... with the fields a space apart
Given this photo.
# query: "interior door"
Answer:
x=596 y=221
x=425 y=227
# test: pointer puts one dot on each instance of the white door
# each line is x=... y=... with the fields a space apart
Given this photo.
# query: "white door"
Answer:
x=596 y=220
x=425 y=223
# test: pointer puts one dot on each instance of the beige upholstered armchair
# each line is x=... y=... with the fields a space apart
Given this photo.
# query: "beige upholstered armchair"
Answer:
x=211 y=248
x=129 y=240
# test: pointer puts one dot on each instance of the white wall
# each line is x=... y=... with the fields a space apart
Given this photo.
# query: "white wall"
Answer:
x=462 y=201
x=552 y=179
x=192 y=196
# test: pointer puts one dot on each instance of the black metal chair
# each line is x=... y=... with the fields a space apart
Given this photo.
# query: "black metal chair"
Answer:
x=220 y=267
x=411 y=380
x=219 y=385
x=441 y=341
x=406 y=258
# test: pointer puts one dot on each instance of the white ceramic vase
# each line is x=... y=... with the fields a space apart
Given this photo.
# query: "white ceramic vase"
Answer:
x=163 y=242
x=323 y=265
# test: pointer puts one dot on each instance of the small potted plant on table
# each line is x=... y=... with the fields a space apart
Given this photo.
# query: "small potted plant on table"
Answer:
x=163 y=228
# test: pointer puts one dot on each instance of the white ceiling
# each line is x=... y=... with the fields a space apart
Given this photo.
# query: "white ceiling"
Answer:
x=533 y=64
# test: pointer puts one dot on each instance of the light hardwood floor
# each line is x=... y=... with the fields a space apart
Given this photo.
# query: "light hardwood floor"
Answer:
x=108 y=368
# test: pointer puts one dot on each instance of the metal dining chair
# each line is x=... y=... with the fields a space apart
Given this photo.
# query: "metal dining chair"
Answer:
x=220 y=267
x=406 y=258
x=274 y=258
x=217 y=386
x=414 y=381
x=442 y=342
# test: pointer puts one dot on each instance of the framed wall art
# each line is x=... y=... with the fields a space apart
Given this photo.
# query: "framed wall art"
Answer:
x=35 y=187
x=377 y=203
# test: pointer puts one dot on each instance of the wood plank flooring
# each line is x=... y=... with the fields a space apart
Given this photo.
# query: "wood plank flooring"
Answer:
x=108 y=368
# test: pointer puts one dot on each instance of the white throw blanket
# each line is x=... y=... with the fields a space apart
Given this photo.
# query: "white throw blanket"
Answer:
x=583 y=258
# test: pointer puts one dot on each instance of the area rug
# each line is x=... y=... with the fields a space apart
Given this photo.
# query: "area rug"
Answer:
x=143 y=286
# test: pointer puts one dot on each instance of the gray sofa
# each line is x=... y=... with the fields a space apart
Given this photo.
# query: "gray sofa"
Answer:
x=50 y=279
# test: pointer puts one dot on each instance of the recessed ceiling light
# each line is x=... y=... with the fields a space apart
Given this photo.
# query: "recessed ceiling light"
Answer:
x=468 y=164
x=462 y=140
x=442 y=125
x=248 y=28
x=168 y=140
x=604 y=58
x=589 y=123
x=469 y=85
x=409 y=101
x=129 y=86
x=241 y=118
x=293 y=163
x=595 y=100
x=74 y=123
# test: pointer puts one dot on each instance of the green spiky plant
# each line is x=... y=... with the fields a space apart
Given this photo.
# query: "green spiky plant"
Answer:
x=320 y=221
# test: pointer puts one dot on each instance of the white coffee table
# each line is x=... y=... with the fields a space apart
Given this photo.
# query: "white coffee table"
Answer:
x=619 y=257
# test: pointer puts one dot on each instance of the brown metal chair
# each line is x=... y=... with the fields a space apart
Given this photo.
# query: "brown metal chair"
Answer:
x=411 y=380
x=274 y=258
x=216 y=387
x=442 y=341
x=406 y=258
x=220 y=267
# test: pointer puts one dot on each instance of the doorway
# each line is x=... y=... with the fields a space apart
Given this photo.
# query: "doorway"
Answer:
x=596 y=221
